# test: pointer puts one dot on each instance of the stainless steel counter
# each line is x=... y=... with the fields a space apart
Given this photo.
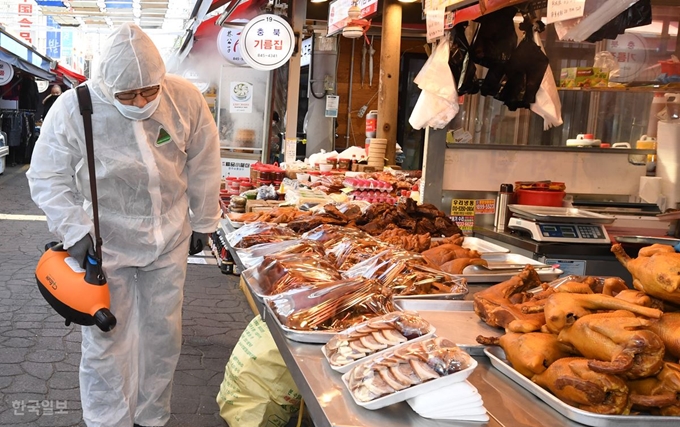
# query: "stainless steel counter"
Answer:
x=330 y=404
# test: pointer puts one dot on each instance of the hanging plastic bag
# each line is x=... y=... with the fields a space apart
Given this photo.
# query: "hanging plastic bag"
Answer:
x=257 y=390
x=495 y=39
x=635 y=16
x=438 y=100
x=547 y=103
x=462 y=67
x=523 y=73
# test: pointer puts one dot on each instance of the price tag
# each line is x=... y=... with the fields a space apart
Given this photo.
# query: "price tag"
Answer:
x=291 y=151
x=561 y=10
x=435 y=24
x=332 y=105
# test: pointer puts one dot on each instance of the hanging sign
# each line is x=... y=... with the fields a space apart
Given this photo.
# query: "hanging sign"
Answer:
x=561 y=10
x=306 y=51
x=241 y=97
x=267 y=42
x=434 y=21
x=337 y=13
x=6 y=73
x=229 y=45
x=290 y=152
x=236 y=167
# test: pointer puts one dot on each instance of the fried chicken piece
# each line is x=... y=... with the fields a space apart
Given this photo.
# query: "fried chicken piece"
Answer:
x=456 y=239
x=618 y=341
x=531 y=353
x=656 y=271
x=573 y=382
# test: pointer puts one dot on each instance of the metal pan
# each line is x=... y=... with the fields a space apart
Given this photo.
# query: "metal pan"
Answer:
x=647 y=240
x=464 y=323
x=497 y=357
x=308 y=337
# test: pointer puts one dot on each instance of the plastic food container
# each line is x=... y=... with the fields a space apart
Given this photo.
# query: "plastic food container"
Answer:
x=540 y=197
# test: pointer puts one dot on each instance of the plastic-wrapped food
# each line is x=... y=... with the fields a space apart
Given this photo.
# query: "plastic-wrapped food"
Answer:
x=329 y=234
x=254 y=255
x=350 y=251
x=281 y=273
x=258 y=232
x=375 y=335
x=334 y=307
x=406 y=366
x=267 y=192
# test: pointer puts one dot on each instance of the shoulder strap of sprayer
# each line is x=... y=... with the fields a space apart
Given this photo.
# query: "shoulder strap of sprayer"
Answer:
x=85 y=103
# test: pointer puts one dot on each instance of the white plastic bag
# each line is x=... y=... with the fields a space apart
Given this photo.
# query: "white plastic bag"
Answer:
x=547 y=103
x=438 y=100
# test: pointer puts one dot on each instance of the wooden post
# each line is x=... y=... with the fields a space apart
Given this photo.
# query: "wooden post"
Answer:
x=388 y=85
x=297 y=15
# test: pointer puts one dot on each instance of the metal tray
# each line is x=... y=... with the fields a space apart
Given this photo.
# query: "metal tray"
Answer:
x=464 y=323
x=647 y=240
x=308 y=337
x=545 y=272
x=555 y=214
x=483 y=247
x=497 y=357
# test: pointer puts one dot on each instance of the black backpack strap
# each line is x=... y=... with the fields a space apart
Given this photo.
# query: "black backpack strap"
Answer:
x=85 y=104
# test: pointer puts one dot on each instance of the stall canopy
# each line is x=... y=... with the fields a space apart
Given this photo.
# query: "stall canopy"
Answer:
x=68 y=77
x=24 y=57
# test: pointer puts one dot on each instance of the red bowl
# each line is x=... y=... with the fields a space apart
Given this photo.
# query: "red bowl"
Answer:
x=540 y=197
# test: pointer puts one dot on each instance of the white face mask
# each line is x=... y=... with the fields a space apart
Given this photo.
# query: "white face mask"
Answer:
x=136 y=113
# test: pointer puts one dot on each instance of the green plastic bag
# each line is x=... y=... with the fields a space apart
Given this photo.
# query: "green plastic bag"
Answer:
x=257 y=390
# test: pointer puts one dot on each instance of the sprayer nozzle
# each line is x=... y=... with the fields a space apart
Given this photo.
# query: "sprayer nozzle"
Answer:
x=104 y=319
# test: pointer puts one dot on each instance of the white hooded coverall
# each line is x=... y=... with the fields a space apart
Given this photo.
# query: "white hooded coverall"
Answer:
x=152 y=192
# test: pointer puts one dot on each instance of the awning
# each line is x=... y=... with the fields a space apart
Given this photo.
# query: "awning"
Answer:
x=25 y=66
x=69 y=77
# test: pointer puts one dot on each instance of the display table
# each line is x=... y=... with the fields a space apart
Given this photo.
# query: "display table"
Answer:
x=330 y=404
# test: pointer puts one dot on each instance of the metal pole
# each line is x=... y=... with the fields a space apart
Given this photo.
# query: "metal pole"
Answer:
x=349 y=96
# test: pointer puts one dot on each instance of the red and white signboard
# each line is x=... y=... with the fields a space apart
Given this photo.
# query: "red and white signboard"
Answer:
x=6 y=73
x=267 y=42
x=337 y=13
x=25 y=12
x=229 y=44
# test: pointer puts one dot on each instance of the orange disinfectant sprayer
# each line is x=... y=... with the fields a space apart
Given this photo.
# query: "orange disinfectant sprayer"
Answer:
x=79 y=295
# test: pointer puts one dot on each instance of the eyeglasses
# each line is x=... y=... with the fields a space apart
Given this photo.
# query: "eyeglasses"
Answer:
x=145 y=93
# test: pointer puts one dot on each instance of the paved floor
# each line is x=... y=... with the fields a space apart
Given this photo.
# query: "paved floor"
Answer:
x=39 y=356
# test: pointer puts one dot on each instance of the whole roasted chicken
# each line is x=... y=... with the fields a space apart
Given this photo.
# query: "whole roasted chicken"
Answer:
x=573 y=381
x=668 y=329
x=659 y=394
x=530 y=353
x=501 y=305
x=656 y=270
x=618 y=342
x=563 y=309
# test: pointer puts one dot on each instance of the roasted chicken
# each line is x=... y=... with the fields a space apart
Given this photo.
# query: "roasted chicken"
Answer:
x=656 y=271
x=563 y=309
x=668 y=329
x=659 y=394
x=572 y=381
x=501 y=305
x=618 y=342
x=530 y=353
x=445 y=253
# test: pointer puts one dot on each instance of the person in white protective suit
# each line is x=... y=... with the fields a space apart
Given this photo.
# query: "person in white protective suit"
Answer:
x=158 y=174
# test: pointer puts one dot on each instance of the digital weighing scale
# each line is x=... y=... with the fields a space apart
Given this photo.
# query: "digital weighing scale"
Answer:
x=560 y=225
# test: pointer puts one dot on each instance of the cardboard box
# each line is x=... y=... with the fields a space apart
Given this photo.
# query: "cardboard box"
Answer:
x=257 y=205
x=583 y=77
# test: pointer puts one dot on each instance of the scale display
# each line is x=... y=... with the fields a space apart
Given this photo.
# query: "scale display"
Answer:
x=561 y=232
